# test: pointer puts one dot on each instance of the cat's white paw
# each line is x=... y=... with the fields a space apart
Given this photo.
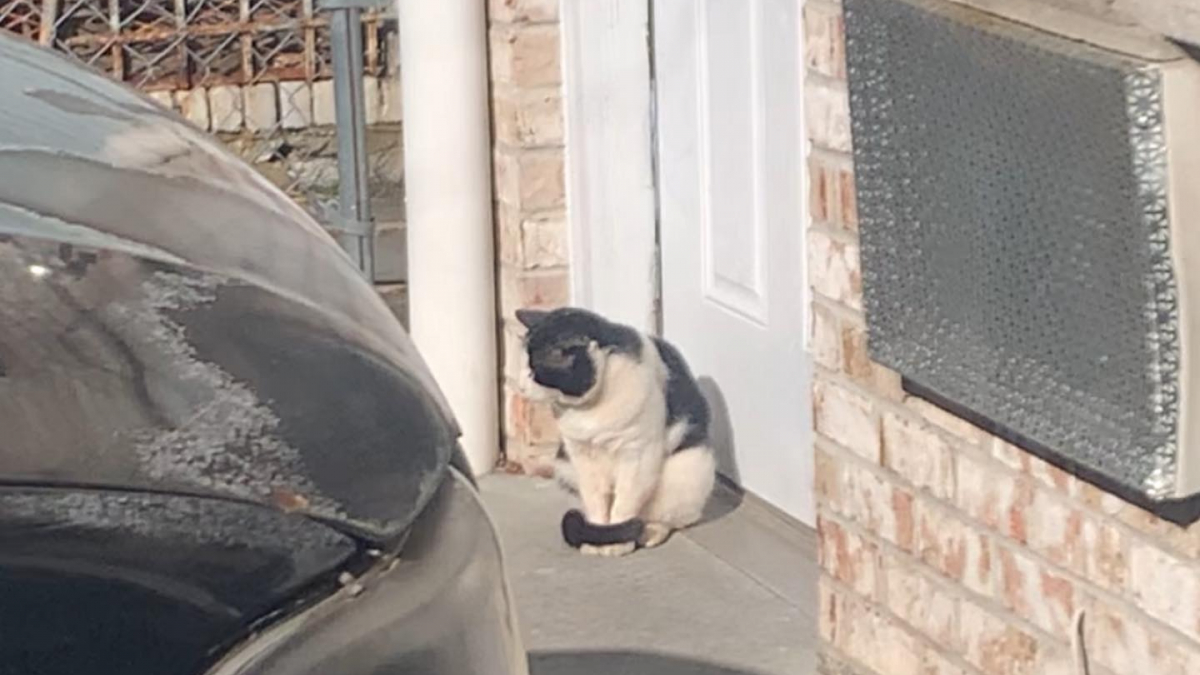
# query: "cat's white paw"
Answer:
x=609 y=551
x=655 y=534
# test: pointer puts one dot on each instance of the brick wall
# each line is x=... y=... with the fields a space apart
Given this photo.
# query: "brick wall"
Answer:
x=946 y=551
x=531 y=226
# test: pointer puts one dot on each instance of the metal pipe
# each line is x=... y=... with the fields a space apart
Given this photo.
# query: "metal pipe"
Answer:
x=451 y=261
x=356 y=231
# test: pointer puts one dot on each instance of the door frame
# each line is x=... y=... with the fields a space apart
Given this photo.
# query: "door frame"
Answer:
x=612 y=192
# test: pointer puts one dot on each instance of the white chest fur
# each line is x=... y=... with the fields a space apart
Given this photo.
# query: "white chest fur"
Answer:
x=628 y=411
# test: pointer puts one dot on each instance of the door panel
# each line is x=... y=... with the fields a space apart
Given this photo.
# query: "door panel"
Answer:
x=730 y=147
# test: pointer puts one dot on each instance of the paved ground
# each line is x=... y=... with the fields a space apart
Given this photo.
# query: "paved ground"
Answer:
x=733 y=596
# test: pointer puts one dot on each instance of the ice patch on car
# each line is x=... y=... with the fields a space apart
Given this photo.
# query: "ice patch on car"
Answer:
x=222 y=436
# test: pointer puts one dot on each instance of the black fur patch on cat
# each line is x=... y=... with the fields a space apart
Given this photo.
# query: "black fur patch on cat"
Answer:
x=558 y=346
x=577 y=531
x=684 y=399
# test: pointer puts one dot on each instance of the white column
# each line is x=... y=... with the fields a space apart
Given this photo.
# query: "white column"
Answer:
x=447 y=169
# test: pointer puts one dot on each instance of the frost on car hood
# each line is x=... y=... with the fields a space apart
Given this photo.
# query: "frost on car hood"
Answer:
x=171 y=321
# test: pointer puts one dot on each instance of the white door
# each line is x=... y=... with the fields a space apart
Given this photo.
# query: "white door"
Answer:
x=730 y=160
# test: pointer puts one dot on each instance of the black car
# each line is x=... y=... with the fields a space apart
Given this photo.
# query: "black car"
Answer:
x=219 y=451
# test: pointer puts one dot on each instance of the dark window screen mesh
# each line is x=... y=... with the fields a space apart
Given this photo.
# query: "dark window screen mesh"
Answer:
x=1012 y=197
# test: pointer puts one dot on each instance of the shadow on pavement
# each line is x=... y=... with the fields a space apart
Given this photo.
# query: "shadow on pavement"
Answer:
x=621 y=663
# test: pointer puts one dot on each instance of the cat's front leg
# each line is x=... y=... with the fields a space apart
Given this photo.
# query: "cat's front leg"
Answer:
x=595 y=478
x=635 y=477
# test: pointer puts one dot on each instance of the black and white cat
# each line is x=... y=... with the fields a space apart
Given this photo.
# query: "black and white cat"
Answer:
x=634 y=428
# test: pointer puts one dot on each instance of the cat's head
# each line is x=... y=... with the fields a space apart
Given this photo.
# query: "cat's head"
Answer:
x=567 y=349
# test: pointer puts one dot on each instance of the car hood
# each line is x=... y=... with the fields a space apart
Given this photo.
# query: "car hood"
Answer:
x=172 y=322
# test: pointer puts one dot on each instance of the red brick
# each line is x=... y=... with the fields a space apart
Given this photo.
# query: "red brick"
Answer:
x=1122 y=642
x=846 y=418
x=821 y=186
x=1100 y=500
x=1035 y=593
x=1184 y=541
x=1057 y=531
x=919 y=455
x=827 y=477
x=544 y=241
x=1166 y=587
x=856 y=361
x=540 y=289
x=530 y=421
x=1106 y=562
x=1051 y=476
x=506 y=177
x=882 y=508
x=537 y=242
x=941 y=540
x=887 y=383
x=529 y=180
x=829 y=612
x=1033 y=466
x=867 y=636
x=991 y=496
x=831 y=193
x=1057 y=660
x=508 y=235
x=954 y=549
x=833 y=269
x=922 y=604
x=522 y=10
x=827 y=114
x=542 y=179
x=824 y=40
x=526 y=448
x=1078 y=541
x=938 y=417
x=902 y=512
x=527 y=118
x=832 y=196
x=893 y=651
x=935 y=663
x=847 y=557
x=825 y=342
x=513 y=352
x=857 y=364
x=996 y=647
x=525 y=55
x=1009 y=455
x=847 y=201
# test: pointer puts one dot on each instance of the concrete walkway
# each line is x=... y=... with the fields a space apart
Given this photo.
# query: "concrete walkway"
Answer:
x=733 y=596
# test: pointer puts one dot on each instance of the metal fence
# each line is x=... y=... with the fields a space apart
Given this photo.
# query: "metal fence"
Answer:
x=264 y=75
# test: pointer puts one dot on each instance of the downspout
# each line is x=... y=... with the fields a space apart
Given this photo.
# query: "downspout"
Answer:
x=447 y=169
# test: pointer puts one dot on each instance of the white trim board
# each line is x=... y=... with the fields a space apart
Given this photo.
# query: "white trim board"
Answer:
x=608 y=109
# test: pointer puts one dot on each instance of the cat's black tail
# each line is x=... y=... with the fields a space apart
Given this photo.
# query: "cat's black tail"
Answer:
x=577 y=531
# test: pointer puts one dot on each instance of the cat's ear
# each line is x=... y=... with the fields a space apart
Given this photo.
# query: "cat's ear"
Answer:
x=531 y=317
